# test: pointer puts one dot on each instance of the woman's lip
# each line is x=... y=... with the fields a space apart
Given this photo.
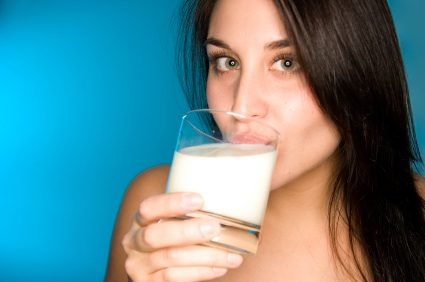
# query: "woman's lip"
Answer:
x=248 y=139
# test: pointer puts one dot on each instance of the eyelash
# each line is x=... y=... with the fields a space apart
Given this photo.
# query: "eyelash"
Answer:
x=295 y=68
x=214 y=56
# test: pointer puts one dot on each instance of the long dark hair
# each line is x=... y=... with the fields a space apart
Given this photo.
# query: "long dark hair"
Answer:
x=350 y=55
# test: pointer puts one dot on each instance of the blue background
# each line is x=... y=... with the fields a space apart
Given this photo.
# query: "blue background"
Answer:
x=88 y=99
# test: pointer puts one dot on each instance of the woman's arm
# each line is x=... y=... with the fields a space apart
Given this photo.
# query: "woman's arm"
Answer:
x=149 y=183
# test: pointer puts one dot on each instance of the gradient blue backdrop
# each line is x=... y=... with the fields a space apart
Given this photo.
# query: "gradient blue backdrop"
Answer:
x=88 y=99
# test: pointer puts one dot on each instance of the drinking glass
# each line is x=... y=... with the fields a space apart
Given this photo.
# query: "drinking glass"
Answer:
x=227 y=158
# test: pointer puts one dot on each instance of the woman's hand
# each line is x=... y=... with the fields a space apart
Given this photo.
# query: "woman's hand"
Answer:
x=162 y=249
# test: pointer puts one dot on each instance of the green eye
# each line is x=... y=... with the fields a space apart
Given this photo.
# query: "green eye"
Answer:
x=286 y=64
x=226 y=64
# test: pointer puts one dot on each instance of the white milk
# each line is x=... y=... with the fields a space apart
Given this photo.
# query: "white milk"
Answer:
x=234 y=179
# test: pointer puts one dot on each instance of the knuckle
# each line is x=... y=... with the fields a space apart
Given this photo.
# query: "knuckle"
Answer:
x=149 y=237
x=168 y=275
x=163 y=258
x=171 y=255
x=155 y=259
x=130 y=267
x=133 y=270
x=126 y=242
x=126 y=239
x=144 y=209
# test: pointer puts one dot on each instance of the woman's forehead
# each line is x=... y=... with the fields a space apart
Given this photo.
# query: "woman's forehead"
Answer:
x=247 y=21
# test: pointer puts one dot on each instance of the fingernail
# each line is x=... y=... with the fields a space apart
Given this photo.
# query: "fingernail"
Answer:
x=209 y=229
x=192 y=201
x=234 y=259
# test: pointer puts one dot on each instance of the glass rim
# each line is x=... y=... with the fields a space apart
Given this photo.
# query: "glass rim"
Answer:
x=235 y=114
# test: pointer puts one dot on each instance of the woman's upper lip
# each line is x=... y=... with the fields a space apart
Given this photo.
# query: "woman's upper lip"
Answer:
x=248 y=139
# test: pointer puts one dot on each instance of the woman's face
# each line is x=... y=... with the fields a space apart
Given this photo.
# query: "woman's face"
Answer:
x=254 y=71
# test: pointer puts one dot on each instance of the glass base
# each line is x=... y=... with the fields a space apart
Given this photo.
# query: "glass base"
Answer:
x=235 y=235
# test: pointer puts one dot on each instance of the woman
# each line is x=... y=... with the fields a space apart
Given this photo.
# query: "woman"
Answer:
x=345 y=204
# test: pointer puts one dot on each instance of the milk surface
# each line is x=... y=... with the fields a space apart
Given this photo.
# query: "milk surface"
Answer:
x=234 y=179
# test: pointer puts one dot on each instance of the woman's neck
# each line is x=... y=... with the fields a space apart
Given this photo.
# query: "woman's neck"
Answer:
x=306 y=197
x=298 y=214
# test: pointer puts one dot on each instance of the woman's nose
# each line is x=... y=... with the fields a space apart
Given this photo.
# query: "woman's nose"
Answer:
x=249 y=95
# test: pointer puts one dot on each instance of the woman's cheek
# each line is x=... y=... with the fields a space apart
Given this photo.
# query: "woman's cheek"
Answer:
x=217 y=97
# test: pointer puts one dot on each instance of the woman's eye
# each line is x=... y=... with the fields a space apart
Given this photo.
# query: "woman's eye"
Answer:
x=285 y=64
x=225 y=64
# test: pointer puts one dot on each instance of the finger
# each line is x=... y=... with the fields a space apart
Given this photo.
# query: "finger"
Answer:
x=129 y=242
x=142 y=265
x=167 y=205
x=192 y=256
x=174 y=233
x=197 y=273
x=135 y=267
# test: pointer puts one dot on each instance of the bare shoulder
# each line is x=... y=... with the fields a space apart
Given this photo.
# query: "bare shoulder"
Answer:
x=149 y=183
x=420 y=185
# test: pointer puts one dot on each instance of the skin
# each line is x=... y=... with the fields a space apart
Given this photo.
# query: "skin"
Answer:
x=261 y=86
x=252 y=74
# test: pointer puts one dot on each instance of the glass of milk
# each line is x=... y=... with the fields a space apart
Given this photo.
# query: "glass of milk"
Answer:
x=228 y=159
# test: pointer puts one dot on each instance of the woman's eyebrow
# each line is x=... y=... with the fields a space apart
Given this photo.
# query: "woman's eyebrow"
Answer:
x=283 y=43
x=216 y=42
